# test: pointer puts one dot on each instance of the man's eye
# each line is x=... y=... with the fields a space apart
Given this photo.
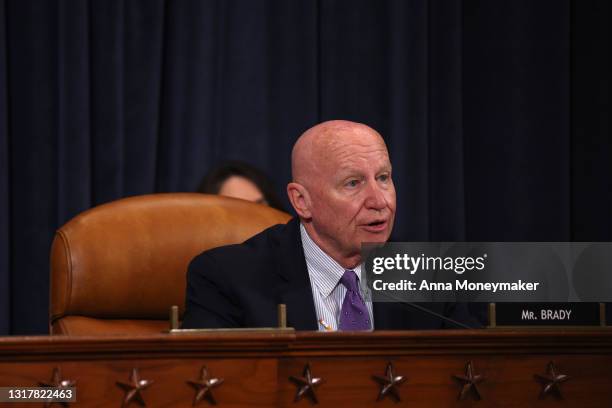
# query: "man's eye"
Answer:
x=352 y=183
x=384 y=177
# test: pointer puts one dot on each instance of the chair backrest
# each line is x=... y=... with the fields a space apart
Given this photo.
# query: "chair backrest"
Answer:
x=119 y=267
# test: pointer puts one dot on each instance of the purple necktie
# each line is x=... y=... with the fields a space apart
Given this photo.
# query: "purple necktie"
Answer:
x=354 y=314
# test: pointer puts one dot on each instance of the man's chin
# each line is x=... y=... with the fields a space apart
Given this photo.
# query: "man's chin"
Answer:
x=375 y=237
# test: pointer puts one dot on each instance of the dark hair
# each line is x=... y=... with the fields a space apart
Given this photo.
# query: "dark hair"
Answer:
x=214 y=179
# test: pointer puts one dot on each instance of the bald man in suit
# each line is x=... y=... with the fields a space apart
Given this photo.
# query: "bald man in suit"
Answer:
x=343 y=193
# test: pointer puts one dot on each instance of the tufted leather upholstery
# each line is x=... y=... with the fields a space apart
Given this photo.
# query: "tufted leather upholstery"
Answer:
x=117 y=268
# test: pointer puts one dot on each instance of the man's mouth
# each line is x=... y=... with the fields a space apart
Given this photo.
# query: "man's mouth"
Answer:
x=376 y=226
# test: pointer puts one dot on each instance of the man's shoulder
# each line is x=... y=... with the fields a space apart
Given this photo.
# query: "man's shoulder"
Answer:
x=267 y=242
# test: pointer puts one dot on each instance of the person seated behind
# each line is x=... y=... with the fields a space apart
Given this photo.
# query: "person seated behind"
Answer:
x=343 y=193
x=240 y=180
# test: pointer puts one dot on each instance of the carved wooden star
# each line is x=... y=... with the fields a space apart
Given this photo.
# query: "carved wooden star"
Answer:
x=58 y=382
x=204 y=386
x=551 y=381
x=133 y=389
x=469 y=382
x=306 y=385
x=389 y=383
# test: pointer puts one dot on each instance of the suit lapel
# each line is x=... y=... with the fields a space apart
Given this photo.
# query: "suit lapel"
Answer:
x=295 y=290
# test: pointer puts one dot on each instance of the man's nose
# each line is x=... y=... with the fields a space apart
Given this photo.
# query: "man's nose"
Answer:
x=375 y=199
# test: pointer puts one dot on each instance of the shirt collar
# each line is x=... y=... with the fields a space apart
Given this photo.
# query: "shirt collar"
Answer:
x=324 y=268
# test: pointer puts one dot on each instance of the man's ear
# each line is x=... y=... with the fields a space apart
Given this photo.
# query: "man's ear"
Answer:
x=300 y=199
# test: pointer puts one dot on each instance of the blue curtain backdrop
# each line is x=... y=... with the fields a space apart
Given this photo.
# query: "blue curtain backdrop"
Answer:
x=496 y=113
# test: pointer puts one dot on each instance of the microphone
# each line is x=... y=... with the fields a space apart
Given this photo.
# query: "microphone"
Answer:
x=436 y=315
x=430 y=313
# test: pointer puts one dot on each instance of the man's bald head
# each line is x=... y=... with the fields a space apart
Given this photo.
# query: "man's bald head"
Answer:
x=313 y=148
x=342 y=188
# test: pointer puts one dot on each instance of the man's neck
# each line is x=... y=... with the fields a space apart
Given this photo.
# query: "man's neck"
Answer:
x=346 y=261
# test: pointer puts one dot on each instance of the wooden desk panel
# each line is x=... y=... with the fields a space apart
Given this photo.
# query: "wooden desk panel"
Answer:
x=256 y=367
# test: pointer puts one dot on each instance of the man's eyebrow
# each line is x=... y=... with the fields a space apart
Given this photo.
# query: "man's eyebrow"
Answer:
x=351 y=169
x=385 y=168
x=347 y=171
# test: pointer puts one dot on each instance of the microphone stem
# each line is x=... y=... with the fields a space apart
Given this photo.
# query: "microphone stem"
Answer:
x=439 y=316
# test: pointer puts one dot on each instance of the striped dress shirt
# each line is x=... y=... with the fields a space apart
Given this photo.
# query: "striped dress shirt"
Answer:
x=327 y=291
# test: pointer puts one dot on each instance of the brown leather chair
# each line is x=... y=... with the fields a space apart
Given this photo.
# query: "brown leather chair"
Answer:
x=119 y=267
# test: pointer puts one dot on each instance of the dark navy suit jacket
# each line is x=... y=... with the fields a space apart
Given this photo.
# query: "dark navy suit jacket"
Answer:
x=241 y=286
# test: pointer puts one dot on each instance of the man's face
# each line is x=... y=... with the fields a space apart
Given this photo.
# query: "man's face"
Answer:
x=352 y=193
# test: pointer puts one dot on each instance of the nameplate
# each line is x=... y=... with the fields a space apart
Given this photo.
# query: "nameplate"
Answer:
x=547 y=315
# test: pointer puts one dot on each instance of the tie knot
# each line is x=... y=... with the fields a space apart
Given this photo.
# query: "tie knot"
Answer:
x=349 y=280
